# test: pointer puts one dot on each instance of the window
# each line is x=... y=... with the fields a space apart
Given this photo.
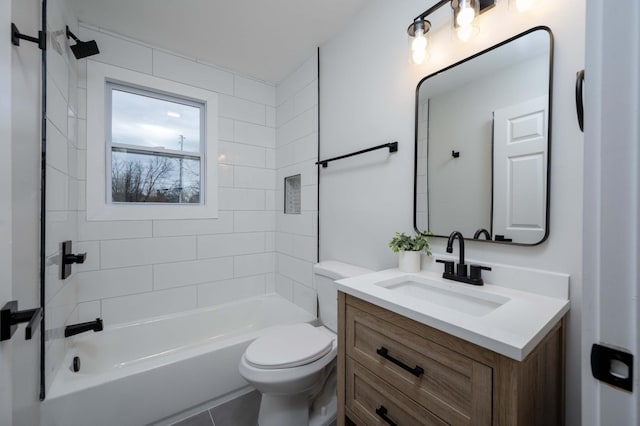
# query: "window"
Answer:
x=151 y=147
x=154 y=141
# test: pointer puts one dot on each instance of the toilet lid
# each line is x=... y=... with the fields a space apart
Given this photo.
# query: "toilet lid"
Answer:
x=289 y=346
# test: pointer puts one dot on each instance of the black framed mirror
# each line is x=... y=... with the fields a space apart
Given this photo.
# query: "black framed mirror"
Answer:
x=482 y=143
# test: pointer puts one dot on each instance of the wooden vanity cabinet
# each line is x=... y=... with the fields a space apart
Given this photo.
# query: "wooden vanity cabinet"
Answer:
x=393 y=370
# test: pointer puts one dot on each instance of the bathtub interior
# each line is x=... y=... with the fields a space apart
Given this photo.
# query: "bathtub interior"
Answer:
x=169 y=363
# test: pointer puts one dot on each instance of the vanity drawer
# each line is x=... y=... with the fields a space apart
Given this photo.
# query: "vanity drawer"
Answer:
x=374 y=402
x=448 y=384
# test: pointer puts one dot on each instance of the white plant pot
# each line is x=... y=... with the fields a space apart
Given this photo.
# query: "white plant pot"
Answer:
x=409 y=261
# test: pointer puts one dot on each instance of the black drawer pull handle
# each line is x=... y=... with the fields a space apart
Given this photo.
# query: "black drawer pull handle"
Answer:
x=382 y=412
x=384 y=353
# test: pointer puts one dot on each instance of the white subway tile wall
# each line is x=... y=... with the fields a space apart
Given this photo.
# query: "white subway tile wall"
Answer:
x=116 y=51
x=214 y=293
x=184 y=70
x=137 y=269
x=105 y=283
x=296 y=153
x=166 y=275
x=150 y=304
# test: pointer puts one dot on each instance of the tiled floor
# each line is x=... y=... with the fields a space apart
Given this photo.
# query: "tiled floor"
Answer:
x=242 y=411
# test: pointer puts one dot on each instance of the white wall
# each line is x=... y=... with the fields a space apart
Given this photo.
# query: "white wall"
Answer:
x=367 y=98
x=137 y=269
x=297 y=152
x=6 y=386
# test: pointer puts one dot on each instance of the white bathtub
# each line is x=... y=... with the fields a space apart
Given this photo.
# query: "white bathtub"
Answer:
x=142 y=372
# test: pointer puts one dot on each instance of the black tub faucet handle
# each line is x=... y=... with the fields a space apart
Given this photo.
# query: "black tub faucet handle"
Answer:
x=74 y=258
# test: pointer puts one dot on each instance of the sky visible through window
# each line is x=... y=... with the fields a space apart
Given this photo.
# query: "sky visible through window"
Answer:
x=151 y=122
x=157 y=124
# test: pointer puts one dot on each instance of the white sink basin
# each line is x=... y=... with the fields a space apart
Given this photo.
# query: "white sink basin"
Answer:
x=468 y=300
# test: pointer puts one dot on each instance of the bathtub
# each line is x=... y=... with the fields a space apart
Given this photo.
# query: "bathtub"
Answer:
x=142 y=372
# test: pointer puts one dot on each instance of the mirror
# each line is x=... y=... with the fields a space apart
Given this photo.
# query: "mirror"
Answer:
x=482 y=143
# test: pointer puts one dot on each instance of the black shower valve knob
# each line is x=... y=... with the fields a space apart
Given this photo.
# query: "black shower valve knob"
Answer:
x=74 y=258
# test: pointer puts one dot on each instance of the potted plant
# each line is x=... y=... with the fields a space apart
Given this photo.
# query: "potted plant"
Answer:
x=409 y=250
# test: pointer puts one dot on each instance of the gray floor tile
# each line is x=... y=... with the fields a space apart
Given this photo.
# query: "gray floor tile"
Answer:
x=242 y=411
x=200 y=419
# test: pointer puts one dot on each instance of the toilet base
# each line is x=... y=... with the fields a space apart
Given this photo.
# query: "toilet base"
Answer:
x=326 y=414
x=278 y=410
x=275 y=411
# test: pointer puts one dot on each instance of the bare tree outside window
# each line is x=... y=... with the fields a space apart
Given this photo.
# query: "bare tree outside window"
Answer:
x=144 y=178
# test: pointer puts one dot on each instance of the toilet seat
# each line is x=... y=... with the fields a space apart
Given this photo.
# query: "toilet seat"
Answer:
x=289 y=346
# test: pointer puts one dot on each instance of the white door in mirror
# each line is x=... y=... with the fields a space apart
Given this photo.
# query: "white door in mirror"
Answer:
x=520 y=171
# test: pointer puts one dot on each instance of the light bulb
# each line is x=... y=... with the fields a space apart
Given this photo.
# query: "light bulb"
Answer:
x=465 y=33
x=524 y=5
x=418 y=56
x=419 y=46
x=465 y=16
x=419 y=42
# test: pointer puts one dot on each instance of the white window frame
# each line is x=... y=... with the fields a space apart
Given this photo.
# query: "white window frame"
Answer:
x=99 y=205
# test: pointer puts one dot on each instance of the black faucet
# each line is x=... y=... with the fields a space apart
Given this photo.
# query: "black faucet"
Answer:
x=482 y=231
x=73 y=329
x=461 y=271
x=461 y=267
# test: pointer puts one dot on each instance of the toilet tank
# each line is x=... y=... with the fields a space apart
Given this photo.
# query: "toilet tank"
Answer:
x=325 y=275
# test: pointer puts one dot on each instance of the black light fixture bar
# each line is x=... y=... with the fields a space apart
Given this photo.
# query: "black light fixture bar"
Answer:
x=16 y=36
x=393 y=147
x=432 y=9
x=484 y=6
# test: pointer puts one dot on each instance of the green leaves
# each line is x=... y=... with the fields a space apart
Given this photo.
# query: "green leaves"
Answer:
x=403 y=242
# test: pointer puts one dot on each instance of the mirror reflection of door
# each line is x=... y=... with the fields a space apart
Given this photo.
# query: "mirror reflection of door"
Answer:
x=519 y=169
x=456 y=186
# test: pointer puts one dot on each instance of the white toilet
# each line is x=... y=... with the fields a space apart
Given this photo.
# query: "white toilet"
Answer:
x=294 y=366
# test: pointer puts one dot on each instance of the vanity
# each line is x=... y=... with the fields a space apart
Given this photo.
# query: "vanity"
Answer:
x=414 y=349
x=419 y=349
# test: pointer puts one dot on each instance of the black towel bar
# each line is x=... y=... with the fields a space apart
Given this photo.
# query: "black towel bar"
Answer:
x=393 y=147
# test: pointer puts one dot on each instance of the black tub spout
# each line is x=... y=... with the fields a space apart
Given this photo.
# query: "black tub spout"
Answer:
x=73 y=329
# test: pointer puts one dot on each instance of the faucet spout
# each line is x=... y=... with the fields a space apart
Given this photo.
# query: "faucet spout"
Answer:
x=72 y=330
x=461 y=273
x=480 y=232
x=461 y=266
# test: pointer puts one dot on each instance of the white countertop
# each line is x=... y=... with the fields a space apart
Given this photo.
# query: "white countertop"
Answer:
x=512 y=329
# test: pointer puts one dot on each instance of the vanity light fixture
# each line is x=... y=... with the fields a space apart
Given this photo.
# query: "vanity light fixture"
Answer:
x=418 y=38
x=464 y=16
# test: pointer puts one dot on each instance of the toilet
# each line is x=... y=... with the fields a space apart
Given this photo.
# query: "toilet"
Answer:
x=294 y=366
